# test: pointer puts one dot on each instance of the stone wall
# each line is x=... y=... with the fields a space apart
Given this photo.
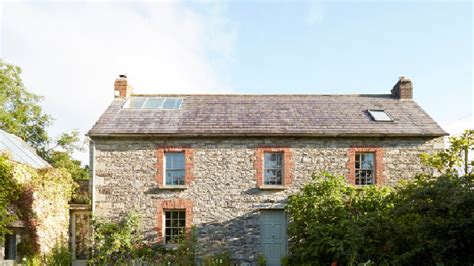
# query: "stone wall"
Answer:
x=224 y=192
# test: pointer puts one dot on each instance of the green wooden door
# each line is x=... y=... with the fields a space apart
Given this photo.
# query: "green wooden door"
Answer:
x=273 y=235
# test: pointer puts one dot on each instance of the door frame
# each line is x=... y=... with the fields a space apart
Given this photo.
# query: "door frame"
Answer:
x=282 y=211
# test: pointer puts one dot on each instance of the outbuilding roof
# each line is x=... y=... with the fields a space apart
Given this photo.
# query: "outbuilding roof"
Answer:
x=268 y=115
x=20 y=151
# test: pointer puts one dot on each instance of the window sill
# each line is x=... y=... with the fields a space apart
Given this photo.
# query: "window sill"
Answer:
x=175 y=187
x=272 y=187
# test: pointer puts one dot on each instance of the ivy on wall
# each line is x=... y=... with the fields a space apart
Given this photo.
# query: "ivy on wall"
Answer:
x=41 y=203
x=9 y=191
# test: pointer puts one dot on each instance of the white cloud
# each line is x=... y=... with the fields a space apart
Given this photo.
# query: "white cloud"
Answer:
x=315 y=13
x=71 y=53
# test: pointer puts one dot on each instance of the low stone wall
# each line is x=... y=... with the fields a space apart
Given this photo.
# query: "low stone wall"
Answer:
x=224 y=193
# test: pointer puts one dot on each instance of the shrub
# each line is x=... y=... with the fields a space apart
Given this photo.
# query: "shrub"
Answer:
x=59 y=256
x=423 y=221
x=261 y=260
x=331 y=220
x=120 y=243
x=433 y=221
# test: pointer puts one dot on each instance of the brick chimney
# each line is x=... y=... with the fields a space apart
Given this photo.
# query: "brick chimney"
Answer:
x=403 y=89
x=122 y=89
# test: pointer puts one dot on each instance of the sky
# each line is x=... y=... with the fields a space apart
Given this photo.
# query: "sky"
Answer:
x=72 y=51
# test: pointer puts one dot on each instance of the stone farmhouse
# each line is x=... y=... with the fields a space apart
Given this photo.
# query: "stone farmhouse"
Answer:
x=226 y=164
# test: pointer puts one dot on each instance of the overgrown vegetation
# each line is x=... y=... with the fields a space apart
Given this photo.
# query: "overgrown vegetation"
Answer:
x=121 y=243
x=9 y=192
x=331 y=220
x=33 y=197
x=22 y=115
x=425 y=221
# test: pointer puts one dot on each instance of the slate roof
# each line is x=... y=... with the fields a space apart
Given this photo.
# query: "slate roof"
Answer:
x=20 y=151
x=269 y=115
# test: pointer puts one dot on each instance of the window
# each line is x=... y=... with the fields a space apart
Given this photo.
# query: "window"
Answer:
x=365 y=165
x=174 y=218
x=175 y=225
x=175 y=168
x=10 y=247
x=273 y=168
x=364 y=168
x=380 y=116
x=163 y=103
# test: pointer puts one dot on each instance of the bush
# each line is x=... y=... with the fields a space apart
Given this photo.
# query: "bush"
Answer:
x=330 y=220
x=261 y=260
x=120 y=243
x=59 y=256
x=424 y=221
x=433 y=221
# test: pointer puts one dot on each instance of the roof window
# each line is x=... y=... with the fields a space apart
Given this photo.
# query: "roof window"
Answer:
x=380 y=116
x=163 y=103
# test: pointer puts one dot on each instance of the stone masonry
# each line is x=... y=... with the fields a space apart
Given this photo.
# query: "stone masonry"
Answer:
x=223 y=193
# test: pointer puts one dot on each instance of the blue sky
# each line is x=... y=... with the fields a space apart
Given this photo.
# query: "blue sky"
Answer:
x=72 y=52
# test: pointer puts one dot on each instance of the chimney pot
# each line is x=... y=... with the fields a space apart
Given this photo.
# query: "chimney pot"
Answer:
x=403 y=89
x=121 y=87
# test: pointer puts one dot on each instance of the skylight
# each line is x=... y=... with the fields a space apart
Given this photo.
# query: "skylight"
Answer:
x=380 y=116
x=171 y=103
x=153 y=103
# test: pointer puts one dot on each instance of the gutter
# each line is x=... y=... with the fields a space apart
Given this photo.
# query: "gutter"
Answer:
x=320 y=135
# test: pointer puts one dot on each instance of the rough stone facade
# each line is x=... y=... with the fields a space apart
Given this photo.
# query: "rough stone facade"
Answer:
x=223 y=194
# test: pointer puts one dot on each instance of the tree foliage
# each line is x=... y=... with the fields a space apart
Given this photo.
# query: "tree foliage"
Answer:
x=20 y=112
x=59 y=156
x=455 y=159
x=433 y=221
x=424 y=221
x=22 y=115
x=331 y=220
x=421 y=222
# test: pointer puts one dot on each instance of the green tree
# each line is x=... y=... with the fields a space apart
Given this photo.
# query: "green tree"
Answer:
x=432 y=221
x=20 y=112
x=60 y=155
x=455 y=159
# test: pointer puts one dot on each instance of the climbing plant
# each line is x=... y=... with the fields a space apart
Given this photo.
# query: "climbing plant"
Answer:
x=9 y=192
x=39 y=198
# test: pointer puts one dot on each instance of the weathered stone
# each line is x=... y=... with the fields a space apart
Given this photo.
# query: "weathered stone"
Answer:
x=224 y=193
